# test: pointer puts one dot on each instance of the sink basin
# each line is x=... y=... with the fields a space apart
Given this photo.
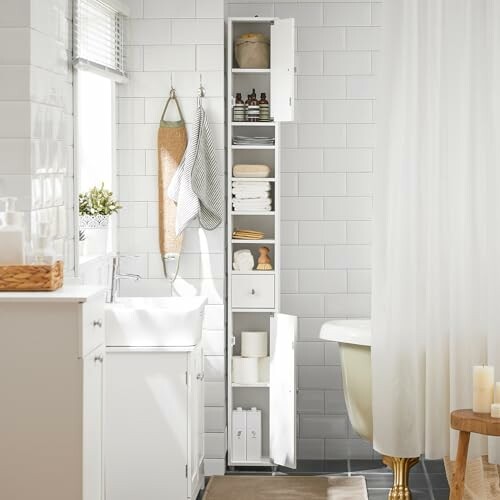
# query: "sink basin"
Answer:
x=154 y=321
x=348 y=331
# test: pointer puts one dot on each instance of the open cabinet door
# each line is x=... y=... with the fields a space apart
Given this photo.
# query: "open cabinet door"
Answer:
x=282 y=408
x=283 y=69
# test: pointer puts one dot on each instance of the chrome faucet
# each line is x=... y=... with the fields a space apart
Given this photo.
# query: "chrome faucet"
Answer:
x=116 y=276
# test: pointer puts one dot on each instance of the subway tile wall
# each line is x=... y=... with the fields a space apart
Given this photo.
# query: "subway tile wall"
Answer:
x=174 y=41
x=36 y=115
x=326 y=200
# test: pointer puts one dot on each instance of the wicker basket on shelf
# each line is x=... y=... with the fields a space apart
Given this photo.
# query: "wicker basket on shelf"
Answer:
x=32 y=278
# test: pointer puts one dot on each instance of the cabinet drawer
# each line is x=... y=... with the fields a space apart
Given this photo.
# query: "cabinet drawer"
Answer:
x=92 y=324
x=253 y=292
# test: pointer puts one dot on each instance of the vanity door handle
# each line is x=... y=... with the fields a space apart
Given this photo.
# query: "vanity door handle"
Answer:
x=99 y=358
x=97 y=323
x=200 y=376
x=252 y=291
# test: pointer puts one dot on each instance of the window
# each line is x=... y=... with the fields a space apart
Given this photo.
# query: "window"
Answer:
x=95 y=129
x=98 y=66
x=98 y=37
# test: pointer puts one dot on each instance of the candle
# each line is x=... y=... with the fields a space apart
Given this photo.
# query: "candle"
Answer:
x=496 y=399
x=483 y=388
x=495 y=410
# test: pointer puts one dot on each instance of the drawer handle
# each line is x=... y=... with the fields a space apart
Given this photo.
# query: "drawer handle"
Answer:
x=99 y=358
x=252 y=291
x=200 y=376
x=97 y=323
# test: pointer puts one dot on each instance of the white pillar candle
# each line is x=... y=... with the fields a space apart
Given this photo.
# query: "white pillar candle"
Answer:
x=495 y=410
x=496 y=399
x=483 y=388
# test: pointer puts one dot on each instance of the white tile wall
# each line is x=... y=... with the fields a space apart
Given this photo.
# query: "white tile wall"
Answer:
x=326 y=200
x=176 y=39
x=36 y=110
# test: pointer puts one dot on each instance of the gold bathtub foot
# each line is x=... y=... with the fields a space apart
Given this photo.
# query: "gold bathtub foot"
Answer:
x=401 y=469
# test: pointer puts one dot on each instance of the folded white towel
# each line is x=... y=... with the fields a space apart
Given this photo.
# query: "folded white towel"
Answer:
x=252 y=203
x=248 y=185
x=251 y=190
x=251 y=196
x=252 y=209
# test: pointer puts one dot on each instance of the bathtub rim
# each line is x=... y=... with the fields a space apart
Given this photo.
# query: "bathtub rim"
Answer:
x=347 y=331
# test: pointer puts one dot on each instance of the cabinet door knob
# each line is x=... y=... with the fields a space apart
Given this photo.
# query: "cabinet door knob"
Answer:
x=200 y=376
x=99 y=358
x=97 y=323
x=252 y=291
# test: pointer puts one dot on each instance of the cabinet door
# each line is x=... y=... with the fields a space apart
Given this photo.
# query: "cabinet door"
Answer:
x=146 y=426
x=282 y=391
x=92 y=424
x=283 y=69
x=196 y=417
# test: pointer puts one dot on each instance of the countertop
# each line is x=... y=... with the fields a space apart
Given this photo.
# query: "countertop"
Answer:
x=69 y=293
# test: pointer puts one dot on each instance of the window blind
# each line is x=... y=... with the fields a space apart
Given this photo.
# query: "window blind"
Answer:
x=98 y=37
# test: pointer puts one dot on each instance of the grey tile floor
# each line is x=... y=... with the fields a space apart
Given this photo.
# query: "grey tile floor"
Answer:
x=427 y=479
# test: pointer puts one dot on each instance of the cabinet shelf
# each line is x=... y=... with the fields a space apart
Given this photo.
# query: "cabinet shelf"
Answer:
x=269 y=212
x=253 y=124
x=252 y=386
x=259 y=463
x=253 y=242
x=253 y=310
x=251 y=70
x=254 y=271
x=253 y=179
x=252 y=146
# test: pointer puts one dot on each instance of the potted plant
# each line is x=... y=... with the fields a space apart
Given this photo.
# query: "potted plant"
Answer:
x=95 y=208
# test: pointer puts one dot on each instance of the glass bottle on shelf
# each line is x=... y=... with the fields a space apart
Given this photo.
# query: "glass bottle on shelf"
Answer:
x=239 y=112
x=247 y=104
x=264 y=112
x=253 y=108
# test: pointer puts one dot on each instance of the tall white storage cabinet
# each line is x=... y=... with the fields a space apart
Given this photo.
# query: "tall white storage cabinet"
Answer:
x=154 y=423
x=254 y=296
x=51 y=391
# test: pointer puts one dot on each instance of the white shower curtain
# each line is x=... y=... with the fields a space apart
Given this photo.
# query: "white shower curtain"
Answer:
x=436 y=291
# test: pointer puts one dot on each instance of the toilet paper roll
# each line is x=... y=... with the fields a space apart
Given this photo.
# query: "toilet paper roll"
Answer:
x=254 y=344
x=245 y=370
x=264 y=369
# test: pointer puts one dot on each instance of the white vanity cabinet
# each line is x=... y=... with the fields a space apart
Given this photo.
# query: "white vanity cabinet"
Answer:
x=154 y=423
x=51 y=393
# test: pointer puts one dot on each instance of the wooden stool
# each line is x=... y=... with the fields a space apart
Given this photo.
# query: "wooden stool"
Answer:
x=466 y=421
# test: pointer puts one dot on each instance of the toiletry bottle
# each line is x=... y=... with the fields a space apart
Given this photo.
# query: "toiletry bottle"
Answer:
x=253 y=108
x=247 y=104
x=11 y=234
x=43 y=249
x=239 y=109
x=264 y=114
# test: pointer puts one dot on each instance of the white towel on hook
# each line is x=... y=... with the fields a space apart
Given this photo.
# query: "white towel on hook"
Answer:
x=195 y=186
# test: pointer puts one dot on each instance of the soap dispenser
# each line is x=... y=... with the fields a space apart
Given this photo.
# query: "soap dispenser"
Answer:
x=11 y=234
x=43 y=251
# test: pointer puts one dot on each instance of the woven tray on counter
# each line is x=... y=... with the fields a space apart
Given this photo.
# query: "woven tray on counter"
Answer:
x=32 y=278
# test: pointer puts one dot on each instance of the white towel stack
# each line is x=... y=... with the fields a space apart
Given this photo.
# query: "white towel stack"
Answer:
x=251 y=196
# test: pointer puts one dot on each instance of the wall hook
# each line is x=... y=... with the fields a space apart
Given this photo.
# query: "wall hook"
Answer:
x=172 y=89
x=201 y=89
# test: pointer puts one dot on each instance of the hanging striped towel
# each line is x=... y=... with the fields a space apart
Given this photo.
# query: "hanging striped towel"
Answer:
x=195 y=186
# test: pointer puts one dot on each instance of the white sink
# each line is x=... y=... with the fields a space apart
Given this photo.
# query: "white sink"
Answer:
x=348 y=331
x=154 y=321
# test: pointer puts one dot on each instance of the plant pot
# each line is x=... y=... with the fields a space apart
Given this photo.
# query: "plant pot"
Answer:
x=95 y=230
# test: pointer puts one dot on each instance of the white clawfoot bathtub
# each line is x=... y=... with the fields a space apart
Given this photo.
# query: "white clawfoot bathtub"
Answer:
x=354 y=339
